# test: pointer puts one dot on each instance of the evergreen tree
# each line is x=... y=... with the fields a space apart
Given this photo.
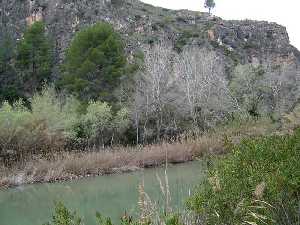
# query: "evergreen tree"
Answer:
x=34 y=58
x=210 y=4
x=9 y=82
x=95 y=62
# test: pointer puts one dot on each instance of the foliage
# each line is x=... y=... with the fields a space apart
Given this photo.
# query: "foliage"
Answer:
x=183 y=39
x=287 y=211
x=103 y=221
x=210 y=4
x=47 y=126
x=55 y=121
x=63 y=216
x=9 y=81
x=121 y=121
x=34 y=57
x=173 y=219
x=292 y=119
x=95 y=62
x=58 y=113
x=100 y=125
x=6 y=53
x=13 y=122
x=97 y=120
x=244 y=186
x=246 y=87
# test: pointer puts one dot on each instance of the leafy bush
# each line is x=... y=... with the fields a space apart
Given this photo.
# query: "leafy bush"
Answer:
x=100 y=125
x=54 y=122
x=183 y=39
x=58 y=113
x=246 y=185
x=13 y=123
x=46 y=127
x=63 y=216
x=246 y=87
x=121 y=121
x=94 y=63
x=97 y=121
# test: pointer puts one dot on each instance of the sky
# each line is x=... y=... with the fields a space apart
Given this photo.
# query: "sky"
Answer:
x=286 y=13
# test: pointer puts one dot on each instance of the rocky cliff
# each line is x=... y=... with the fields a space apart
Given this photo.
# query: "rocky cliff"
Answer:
x=252 y=41
x=256 y=43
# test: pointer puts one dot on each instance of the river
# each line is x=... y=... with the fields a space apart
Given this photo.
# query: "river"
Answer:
x=109 y=195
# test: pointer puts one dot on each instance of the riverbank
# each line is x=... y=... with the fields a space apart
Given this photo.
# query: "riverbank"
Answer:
x=74 y=165
x=70 y=166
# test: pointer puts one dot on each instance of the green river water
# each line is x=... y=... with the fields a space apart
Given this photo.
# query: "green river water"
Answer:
x=110 y=195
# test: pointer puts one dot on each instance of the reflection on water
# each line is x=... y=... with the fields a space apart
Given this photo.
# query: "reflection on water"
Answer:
x=110 y=195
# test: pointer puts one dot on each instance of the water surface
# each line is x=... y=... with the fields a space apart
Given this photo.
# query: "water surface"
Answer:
x=110 y=195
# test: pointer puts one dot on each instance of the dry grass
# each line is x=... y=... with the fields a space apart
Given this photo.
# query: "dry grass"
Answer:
x=73 y=165
x=292 y=119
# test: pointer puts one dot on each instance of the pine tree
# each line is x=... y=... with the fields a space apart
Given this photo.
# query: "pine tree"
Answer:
x=34 y=58
x=9 y=81
x=94 y=64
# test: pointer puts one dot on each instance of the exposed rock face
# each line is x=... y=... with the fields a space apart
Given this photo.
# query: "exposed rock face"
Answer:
x=235 y=42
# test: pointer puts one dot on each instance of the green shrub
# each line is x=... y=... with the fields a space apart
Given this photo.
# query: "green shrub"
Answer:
x=184 y=38
x=97 y=122
x=121 y=121
x=101 y=126
x=173 y=219
x=63 y=216
x=245 y=186
x=48 y=126
x=58 y=113
x=247 y=88
x=13 y=123
x=104 y=220
x=94 y=63
x=54 y=123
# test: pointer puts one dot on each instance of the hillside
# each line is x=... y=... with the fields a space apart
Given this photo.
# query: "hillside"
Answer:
x=193 y=68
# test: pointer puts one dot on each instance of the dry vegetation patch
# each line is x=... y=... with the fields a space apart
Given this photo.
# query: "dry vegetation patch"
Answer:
x=73 y=165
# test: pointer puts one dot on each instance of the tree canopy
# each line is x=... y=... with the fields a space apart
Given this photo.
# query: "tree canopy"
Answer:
x=94 y=64
x=210 y=4
x=34 y=57
x=9 y=82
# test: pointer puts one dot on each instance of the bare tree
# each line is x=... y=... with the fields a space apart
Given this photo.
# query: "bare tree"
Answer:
x=200 y=76
x=189 y=88
x=154 y=87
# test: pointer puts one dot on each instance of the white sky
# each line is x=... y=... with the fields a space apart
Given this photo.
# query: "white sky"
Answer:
x=286 y=12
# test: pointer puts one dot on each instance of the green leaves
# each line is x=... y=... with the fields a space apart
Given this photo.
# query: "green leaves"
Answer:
x=63 y=216
x=103 y=220
x=95 y=61
x=210 y=4
x=34 y=57
x=260 y=169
